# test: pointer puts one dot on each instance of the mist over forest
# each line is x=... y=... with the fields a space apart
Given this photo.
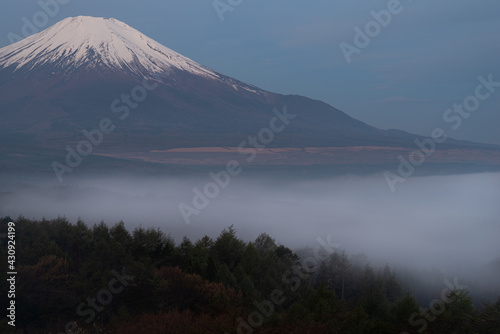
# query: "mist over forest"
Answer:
x=443 y=224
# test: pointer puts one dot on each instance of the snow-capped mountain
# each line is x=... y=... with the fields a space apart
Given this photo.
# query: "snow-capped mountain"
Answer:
x=60 y=83
x=85 y=42
x=101 y=47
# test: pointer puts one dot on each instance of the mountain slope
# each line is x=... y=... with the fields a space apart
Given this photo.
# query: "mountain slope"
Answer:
x=65 y=80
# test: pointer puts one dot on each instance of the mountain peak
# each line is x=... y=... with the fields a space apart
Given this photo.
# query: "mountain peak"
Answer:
x=85 y=42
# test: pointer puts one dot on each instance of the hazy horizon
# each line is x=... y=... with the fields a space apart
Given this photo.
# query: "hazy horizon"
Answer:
x=429 y=221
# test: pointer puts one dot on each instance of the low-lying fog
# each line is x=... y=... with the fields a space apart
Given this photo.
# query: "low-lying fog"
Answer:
x=434 y=222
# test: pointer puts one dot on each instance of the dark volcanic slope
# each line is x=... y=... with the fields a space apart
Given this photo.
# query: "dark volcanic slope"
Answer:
x=71 y=76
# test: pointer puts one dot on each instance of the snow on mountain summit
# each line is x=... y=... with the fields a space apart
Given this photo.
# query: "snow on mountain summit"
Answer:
x=86 y=42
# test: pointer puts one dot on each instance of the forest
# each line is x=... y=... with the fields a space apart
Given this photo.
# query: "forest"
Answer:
x=76 y=279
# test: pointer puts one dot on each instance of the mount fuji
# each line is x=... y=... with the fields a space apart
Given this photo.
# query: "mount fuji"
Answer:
x=89 y=43
x=60 y=83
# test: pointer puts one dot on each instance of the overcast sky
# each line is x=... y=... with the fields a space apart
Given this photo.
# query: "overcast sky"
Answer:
x=423 y=62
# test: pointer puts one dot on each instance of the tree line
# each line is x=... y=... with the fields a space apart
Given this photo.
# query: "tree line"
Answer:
x=73 y=278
